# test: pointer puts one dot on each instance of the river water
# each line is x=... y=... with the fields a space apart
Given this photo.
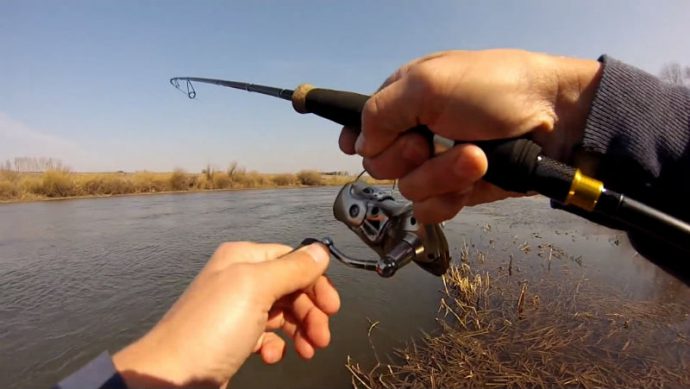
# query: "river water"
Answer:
x=78 y=277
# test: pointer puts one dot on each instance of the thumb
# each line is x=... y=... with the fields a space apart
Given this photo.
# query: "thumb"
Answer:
x=294 y=271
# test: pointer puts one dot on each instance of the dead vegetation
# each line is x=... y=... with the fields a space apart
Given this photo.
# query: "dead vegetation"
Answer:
x=496 y=331
x=62 y=183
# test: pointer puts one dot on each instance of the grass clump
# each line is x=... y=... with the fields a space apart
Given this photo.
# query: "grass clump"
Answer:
x=106 y=184
x=250 y=179
x=499 y=332
x=8 y=190
x=149 y=182
x=221 y=181
x=179 y=180
x=57 y=183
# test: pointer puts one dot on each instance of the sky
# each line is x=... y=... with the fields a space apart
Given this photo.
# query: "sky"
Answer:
x=87 y=81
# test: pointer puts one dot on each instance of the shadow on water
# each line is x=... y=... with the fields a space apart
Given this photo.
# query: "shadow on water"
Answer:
x=79 y=277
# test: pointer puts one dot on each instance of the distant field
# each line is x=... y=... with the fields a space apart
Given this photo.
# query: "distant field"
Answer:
x=61 y=183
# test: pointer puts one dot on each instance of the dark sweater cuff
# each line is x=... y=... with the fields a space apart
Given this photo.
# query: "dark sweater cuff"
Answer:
x=637 y=118
x=100 y=373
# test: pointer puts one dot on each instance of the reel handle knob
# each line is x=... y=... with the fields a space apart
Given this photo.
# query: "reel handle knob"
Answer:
x=400 y=255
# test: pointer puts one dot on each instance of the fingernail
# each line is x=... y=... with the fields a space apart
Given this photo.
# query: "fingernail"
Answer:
x=359 y=143
x=316 y=251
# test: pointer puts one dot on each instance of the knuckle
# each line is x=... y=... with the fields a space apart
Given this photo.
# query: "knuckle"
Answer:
x=423 y=214
x=439 y=214
x=228 y=248
x=410 y=190
x=243 y=276
x=396 y=75
x=414 y=149
x=423 y=79
x=346 y=141
x=445 y=215
x=371 y=111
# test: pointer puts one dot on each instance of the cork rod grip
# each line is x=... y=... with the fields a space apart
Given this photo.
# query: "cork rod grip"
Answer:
x=339 y=106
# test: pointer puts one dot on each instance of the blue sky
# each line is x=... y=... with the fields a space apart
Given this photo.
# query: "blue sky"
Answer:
x=87 y=81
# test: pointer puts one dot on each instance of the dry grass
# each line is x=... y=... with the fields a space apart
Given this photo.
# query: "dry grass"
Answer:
x=63 y=183
x=495 y=331
x=310 y=178
x=285 y=180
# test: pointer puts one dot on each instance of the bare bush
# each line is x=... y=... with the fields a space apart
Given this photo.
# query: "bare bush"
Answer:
x=285 y=179
x=8 y=190
x=57 y=183
x=179 y=180
x=310 y=178
x=221 y=181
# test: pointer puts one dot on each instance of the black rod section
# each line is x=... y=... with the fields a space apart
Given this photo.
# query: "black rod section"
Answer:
x=285 y=94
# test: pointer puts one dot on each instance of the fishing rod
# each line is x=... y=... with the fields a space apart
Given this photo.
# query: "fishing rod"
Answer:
x=516 y=165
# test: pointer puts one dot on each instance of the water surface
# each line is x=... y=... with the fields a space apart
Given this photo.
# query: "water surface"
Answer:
x=81 y=276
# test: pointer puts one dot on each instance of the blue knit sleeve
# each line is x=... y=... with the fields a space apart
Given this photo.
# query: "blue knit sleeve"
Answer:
x=638 y=132
x=100 y=373
x=637 y=141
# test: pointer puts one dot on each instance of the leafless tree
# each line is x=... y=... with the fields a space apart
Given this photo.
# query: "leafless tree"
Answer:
x=35 y=164
x=232 y=169
x=674 y=73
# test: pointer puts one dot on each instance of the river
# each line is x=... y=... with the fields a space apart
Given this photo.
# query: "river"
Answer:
x=78 y=277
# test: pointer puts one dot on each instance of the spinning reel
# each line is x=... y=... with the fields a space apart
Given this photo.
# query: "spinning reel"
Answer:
x=389 y=227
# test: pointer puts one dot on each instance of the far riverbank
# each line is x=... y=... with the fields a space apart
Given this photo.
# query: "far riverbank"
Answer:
x=63 y=184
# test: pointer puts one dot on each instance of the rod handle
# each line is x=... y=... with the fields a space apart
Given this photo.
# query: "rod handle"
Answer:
x=339 y=106
x=514 y=164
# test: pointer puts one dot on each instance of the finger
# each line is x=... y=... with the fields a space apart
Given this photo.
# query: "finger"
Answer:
x=303 y=347
x=244 y=252
x=322 y=294
x=395 y=76
x=388 y=113
x=325 y=296
x=289 y=325
x=406 y=153
x=348 y=136
x=485 y=192
x=440 y=208
x=276 y=318
x=292 y=329
x=406 y=99
x=313 y=322
x=454 y=171
x=294 y=271
x=272 y=348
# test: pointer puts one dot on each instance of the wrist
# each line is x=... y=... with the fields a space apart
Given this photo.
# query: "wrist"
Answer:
x=578 y=80
x=142 y=365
